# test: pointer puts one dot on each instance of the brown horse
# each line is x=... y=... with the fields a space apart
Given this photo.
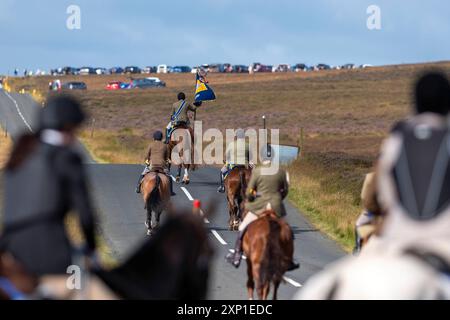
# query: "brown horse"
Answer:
x=235 y=185
x=155 y=189
x=269 y=248
x=188 y=163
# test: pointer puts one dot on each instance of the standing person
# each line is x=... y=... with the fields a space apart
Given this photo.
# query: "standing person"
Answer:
x=44 y=180
x=157 y=160
x=264 y=192
x=410 y=259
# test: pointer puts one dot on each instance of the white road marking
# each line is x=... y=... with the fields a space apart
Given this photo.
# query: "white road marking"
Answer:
x=292 y=282
x=203 y=214
x=218 y=237
x=188 y=195
x=173 y=178
x=19 y=112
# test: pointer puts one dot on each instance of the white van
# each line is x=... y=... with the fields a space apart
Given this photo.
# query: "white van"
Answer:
x=162 y=68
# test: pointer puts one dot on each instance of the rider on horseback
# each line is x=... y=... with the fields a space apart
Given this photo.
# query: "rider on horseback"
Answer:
x=264 y=192
x=179 y=117
x=157 y=160
x=234 y=158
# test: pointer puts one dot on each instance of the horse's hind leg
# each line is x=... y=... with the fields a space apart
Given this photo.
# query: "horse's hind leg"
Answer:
x=157 y=219
x=276 y=285
x=250 y=282
x=177 y=179
x=148 y=222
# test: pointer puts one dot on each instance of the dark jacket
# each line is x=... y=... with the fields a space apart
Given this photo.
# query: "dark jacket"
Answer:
x=39 y=194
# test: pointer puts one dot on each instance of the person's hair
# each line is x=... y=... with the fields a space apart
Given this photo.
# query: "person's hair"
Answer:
x=432 y=93
x=157 y=135
x=22 y=149
x=181 y=96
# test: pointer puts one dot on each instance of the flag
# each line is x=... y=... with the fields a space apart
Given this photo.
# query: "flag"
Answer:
x=202 y=91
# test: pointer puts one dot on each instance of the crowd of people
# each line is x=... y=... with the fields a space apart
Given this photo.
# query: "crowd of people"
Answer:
x=402 y=236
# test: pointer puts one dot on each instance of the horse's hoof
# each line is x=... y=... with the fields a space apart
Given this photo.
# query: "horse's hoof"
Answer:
x=186 y=182
x=177 y=179
x=149 y=232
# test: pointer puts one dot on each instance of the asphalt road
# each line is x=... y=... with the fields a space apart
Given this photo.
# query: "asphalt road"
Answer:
x=122 y=214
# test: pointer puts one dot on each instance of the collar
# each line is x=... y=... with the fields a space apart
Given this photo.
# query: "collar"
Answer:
x=53 y=137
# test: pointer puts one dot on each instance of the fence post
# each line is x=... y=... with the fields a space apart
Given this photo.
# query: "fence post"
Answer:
x=300 y=143
x=92 y=127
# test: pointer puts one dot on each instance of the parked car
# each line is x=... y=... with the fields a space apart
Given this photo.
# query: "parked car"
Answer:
x=163 y=68
x=114 y=85
x=348 y=66
x=116 y=70
x=100 y=71
x=145 y=83
x=281 y=68
x=181 y=69
x=240 y=69
x=258 y=67
x=300 y=67
x=132 y=70
x=69 y=71
x=74 y=85
x=323 y=66
x=157 y=81
x=364 y=66
x=86 y=71
x=194 y=70
x=149 y=69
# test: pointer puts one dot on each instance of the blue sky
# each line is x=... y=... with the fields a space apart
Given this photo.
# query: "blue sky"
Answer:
x=185 y=32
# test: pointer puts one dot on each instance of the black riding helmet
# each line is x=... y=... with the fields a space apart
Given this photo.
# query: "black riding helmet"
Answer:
x=433 y=93
x=157 y=135
x=181 y=96
x=61 y=112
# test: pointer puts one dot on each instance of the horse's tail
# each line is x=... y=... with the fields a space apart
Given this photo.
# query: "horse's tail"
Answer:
x=243 y=182
x=154 y=198
x=274 y=263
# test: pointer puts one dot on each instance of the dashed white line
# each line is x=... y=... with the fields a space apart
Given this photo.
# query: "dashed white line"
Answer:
x=218 y=237
x=188 y=195
x=19 y=112
x=292 y=282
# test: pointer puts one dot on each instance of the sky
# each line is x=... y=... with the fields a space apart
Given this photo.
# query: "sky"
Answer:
x=33 y=33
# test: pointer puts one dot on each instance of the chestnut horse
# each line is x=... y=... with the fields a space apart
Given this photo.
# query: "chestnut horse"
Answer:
x=155 y=190
x=269 y=247
x=235 y=185
x=185 y=164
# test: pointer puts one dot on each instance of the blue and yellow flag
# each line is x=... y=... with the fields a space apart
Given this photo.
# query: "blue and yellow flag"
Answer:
x=202 y=91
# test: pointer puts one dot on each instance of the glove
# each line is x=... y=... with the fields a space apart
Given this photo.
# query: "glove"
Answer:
x=147 y=162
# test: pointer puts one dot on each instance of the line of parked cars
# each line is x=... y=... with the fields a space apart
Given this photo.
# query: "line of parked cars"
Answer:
x=211 y=68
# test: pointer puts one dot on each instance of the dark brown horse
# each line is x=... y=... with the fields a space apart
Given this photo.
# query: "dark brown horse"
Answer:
x=155 y=190
x=171 y=265
x=269 y=248
x=235 y=186
x=186 y=162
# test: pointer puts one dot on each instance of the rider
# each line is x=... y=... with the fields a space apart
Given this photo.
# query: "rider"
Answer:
x=264 y=192
x=44 y=180
x=234 y=158
x=179 y=115
x=157 y=160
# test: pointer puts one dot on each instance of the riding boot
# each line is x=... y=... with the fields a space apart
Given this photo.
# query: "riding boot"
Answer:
x=171 y=187
x=293 y=265
x=235 y=257
x=221 y=189
x=138 y=188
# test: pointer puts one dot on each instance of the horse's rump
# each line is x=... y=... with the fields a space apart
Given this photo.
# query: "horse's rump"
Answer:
x=155 y=188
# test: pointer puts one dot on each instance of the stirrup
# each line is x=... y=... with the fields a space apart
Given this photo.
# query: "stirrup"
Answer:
x=293 y=265
x=221 y=189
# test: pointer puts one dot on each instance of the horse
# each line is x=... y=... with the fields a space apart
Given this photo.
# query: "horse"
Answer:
x=235 y=185
x=155 y=190
x=269 y=247
x=186 y=164
x=172 y=265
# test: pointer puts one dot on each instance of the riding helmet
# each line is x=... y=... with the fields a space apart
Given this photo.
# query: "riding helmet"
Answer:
x=157 y=135
x=61 y=112
x=433 y=93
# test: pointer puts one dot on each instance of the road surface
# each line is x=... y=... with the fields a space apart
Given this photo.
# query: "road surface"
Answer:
x=122 y=214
